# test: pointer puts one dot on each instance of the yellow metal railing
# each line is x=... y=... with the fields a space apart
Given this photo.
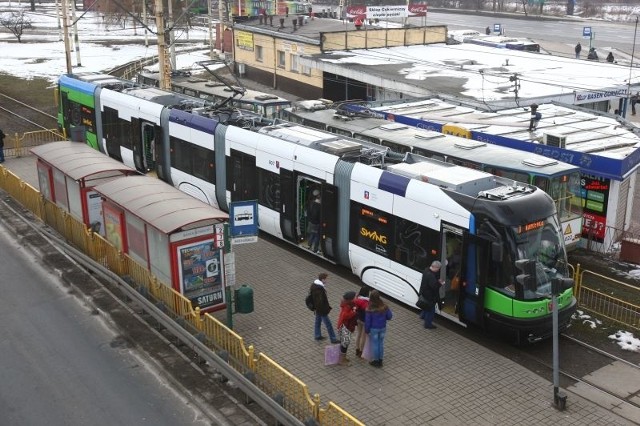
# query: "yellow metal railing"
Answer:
x=284 y=387
x=607 y=297
x=19 y=145
x=270 y=377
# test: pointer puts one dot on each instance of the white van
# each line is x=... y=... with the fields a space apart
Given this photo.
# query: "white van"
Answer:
x=461 y=35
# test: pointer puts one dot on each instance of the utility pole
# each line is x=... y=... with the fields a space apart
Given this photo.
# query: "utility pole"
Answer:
x=209 y=3
x=633 y=52
x=65 y=27
x=58 y=19
x=164 y=70
x=146 y=24
x=76 y=42
x=172 y=48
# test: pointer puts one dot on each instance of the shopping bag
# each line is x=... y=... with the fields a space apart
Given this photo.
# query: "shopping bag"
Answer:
x=332 y=354
x=366 y=350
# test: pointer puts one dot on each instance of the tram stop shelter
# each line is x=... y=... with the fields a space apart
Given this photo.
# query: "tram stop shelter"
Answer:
x=67 y=174
x=176 y=237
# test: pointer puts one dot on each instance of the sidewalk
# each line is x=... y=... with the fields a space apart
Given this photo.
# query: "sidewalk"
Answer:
x=430 y=377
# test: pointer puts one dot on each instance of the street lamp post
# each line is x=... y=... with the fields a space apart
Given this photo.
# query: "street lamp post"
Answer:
x=633 y=51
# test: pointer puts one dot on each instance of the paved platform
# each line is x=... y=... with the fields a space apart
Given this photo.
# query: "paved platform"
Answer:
x=430 y=377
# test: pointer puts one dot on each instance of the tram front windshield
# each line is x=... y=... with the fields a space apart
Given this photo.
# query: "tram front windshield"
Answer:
x=541 y=242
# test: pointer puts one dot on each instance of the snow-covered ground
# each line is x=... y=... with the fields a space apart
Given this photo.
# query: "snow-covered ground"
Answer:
x=101 y=46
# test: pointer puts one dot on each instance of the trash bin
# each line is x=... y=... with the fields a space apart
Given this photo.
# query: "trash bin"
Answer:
x=244 y=299
x=78 y=134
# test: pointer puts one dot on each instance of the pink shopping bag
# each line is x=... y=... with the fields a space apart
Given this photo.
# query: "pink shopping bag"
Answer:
x=332 y=354
x=366 y=350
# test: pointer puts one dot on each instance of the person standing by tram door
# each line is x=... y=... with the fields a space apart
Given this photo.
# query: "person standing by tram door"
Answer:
x=1 y=146
x=322 y=308
x=430 y=290
x=313 y=216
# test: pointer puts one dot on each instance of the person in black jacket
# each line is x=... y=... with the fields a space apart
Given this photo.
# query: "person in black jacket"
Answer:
x=578 y=49
x=430 y=290
x=313 y=215
x=322 y=308
x=610 y=58
x=1 y=146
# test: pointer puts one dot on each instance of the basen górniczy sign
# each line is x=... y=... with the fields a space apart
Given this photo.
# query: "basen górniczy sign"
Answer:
x=387 y=12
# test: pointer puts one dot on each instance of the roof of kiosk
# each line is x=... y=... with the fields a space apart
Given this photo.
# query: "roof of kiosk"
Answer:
x=78 y=160
x=159 y=204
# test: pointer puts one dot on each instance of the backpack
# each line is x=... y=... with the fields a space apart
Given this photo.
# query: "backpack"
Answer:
x=309 y=302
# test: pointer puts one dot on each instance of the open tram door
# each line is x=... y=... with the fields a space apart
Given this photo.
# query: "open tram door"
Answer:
x=451 y=271
x=146 y=142
x=310 y=191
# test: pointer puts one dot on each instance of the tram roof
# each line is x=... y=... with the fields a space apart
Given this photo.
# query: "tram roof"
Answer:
x=159 y=204
x=79 y=161
x=438 y=142
x=597 y=142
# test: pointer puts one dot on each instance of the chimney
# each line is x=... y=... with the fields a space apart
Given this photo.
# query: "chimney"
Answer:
x=261 y=18
x=300 y=20
x=281 y=22
x=295 y=24
x=270 y=20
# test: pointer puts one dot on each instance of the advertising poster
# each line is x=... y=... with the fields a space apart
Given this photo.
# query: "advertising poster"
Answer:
x=200 y=272
x=113 y=226
x=595 y=193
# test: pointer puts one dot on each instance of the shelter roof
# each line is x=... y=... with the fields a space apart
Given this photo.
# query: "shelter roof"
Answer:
x=159 y=204
x=79 y=161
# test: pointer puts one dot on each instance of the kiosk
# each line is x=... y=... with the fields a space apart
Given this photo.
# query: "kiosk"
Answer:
x=67 y=173
x=178 y=238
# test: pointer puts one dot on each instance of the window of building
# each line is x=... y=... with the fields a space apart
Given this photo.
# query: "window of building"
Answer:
x=294 y=63
x=258 y=51
x=281 y=58
x=306 y=70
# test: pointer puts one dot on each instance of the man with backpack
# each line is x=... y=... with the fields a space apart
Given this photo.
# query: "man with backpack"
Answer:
x=322 y=308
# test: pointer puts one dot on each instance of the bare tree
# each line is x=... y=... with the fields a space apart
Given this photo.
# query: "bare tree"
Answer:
x=16 y=22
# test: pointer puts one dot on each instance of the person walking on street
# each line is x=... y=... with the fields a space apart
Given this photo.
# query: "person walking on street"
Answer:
x=346 y=324
x=430 y=290
x=578 y=49
x=375 y=325
x=361 y=302
x=322 y=308
x=1 y=146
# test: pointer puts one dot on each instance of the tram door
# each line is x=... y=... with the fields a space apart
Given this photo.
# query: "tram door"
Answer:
x=451 y=271
x=316 y=201
x=241 y=176
x=144 y=145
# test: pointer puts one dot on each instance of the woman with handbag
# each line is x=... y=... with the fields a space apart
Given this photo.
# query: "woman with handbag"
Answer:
x=429 y=293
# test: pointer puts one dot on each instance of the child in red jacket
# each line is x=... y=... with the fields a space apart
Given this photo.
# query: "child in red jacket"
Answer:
x=346 y=324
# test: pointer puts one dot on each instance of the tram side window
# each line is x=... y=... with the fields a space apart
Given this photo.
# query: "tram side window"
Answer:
x=193 y=159
x=413 y=243
x=116 y=129
x=395 y=147
x=269 y=187
x=509 y=174
x=373 y=229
